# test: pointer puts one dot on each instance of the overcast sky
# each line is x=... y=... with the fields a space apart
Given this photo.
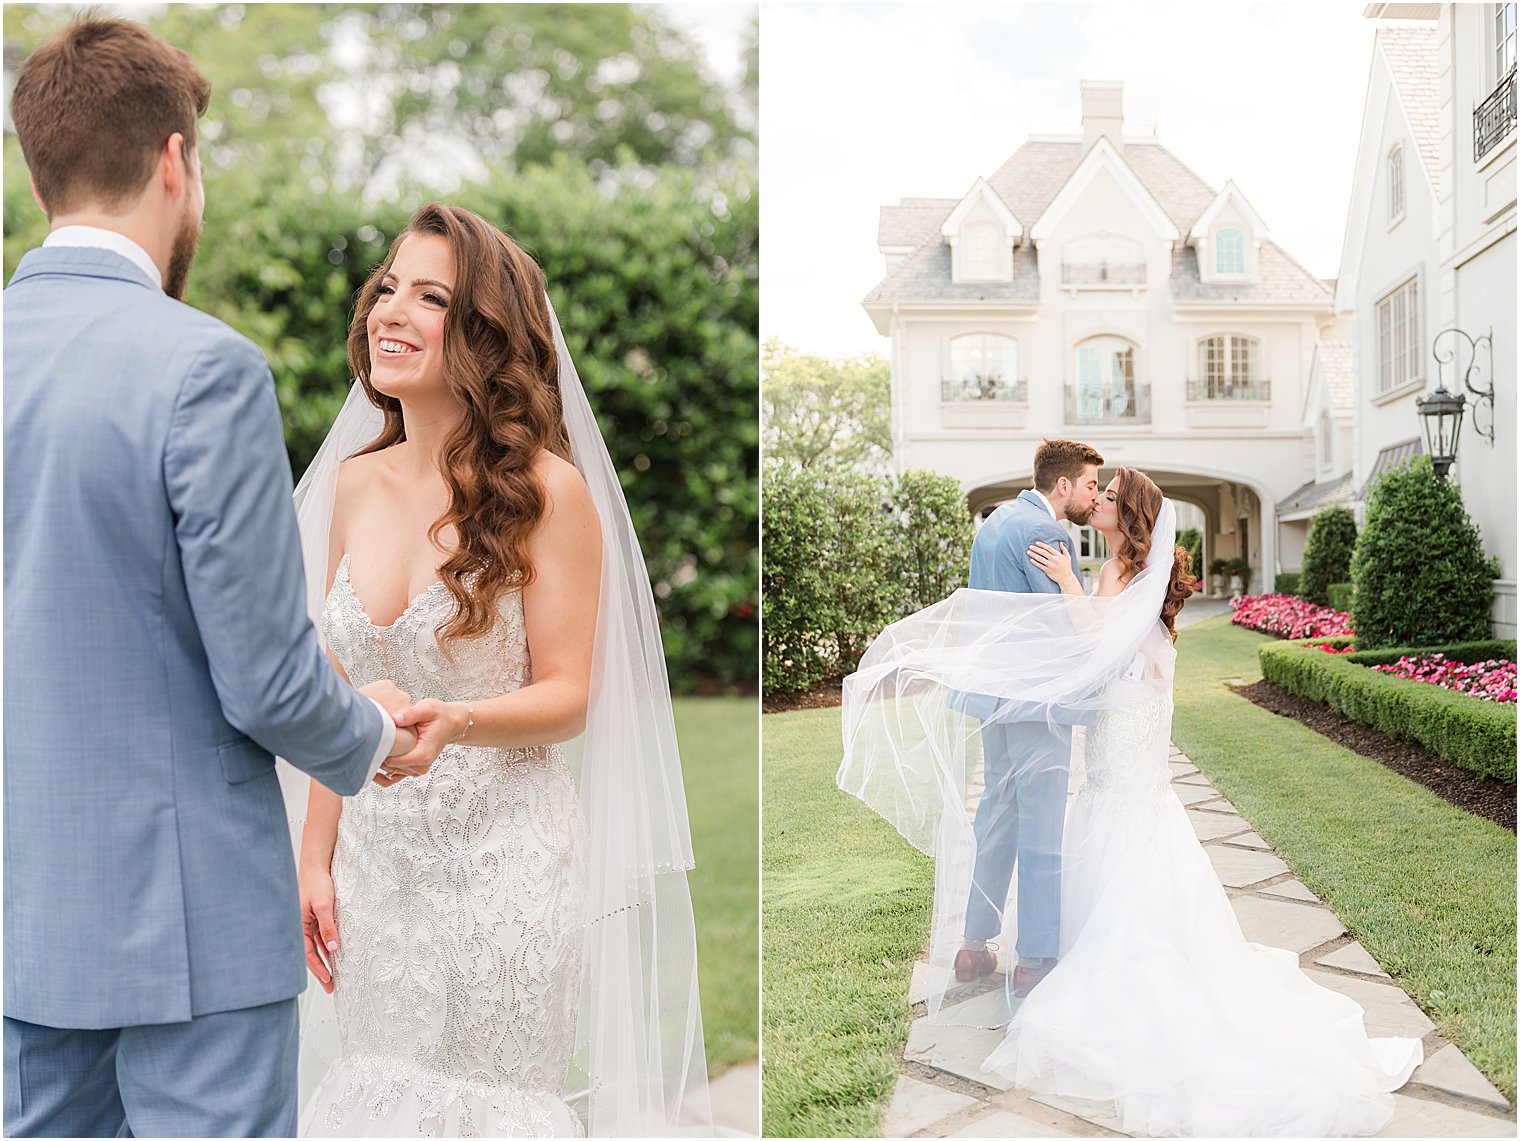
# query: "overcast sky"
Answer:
x=864 y=104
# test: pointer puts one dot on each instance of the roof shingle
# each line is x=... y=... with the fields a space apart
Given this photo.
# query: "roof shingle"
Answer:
x=1411 y=55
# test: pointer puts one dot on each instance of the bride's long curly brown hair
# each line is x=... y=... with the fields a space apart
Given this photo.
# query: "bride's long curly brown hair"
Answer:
x=500 y=364
x=1139 y=506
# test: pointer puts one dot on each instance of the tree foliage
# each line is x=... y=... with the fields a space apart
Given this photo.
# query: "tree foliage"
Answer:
x=1191 y=540
x=822 y=410
x=1327 y=553
x=846 y=553
x=1419 y=574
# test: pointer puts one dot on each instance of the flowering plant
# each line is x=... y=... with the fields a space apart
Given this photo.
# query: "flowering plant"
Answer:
x=1288 y=616
x=1493 y=680
x=1330 y=647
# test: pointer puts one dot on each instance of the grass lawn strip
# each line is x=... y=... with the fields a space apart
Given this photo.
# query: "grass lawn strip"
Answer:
x=1428 y=889
x=846 y=913
x=719 y=741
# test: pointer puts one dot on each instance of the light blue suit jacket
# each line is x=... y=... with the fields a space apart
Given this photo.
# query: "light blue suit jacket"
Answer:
x=157 y=652
x=1000 y=561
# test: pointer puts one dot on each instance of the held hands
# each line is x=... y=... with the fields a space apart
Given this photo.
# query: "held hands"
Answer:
x=1056 y=565
x=436 y=724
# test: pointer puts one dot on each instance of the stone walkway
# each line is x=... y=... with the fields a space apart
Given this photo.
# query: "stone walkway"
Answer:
x=943 y=1091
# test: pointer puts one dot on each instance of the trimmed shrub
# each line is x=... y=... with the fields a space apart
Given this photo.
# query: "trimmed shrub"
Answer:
x=846 y=554
x=1191 y=540
x=1288 y=583
x=1327 y=554
x=1471 y=733
x=1340 y=596
x=1419 y=572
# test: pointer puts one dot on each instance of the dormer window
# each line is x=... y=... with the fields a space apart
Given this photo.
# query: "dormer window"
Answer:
x=1230 y=251
x=1395 y=183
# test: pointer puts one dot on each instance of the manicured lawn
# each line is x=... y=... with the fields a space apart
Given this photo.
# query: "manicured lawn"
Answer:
x=847 y=905
x=1427 y=888
x=720 y=752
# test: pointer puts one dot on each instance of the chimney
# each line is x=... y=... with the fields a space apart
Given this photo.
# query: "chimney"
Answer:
x=1102 y=114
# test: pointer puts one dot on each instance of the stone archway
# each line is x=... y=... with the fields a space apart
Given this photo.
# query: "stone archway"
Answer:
x=1235 y=508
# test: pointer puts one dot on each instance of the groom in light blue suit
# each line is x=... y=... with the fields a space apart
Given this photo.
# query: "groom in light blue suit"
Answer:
x=1025 y=763
x=157 y=645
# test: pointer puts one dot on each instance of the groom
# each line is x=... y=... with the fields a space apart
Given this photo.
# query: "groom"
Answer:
x=157 y=644
x=1025 y=763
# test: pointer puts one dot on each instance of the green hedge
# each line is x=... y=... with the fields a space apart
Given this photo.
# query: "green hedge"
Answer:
x=1287 y=582
x=847 y=553
x=1327 y=553
x=1471 y=733
x=1340 y=596
x=1465 y=652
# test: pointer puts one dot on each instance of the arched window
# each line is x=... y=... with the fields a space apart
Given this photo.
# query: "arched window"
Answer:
x=983 y=366
x=1229 y=368
x=1105 y=387
x=1396 y=183
x=1230 y=251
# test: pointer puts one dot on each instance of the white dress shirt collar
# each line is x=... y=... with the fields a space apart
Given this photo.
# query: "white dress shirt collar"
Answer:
x=94 y=237
x=1046 y=502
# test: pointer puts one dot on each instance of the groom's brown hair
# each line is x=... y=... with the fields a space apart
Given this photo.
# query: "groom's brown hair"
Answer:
x=93 y=107
x=1056 y=458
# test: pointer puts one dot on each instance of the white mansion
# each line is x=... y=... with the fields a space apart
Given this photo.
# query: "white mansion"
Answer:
x=1095 y=288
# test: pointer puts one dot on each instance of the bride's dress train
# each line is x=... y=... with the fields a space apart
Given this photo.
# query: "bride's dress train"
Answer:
x=460 y=906
x=1158 y=1001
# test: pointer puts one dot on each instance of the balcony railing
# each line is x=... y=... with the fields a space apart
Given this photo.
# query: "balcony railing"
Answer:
x=1103 y=273
x=1220 y=389
x=1494 y=117
x=1126 y=404
x=983 y=388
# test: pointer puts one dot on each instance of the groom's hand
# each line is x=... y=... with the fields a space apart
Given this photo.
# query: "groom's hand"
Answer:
x=437 y=723
x=393 y=699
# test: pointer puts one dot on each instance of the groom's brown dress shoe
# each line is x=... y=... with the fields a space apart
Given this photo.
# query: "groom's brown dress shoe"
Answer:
x=971 y=964
x=1025 y=979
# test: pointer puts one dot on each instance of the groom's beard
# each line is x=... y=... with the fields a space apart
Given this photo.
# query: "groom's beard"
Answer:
x=181 y=256
x=1079 y=515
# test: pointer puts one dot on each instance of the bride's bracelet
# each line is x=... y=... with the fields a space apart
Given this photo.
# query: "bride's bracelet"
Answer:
x=470 y=714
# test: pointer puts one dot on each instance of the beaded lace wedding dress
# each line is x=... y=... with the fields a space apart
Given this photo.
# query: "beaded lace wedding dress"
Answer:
x=1158 y=1002
x=460 y=906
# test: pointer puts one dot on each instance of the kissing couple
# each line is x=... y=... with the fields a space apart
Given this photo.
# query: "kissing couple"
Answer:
x=1129 y=978
x=485 y=788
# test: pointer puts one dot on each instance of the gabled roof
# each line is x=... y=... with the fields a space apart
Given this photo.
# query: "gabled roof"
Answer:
x=1314 y=495
x=910 y=220
x=1103 y=157
x=1279 y=280
x=1028 y=182
x=924 y=276
x=1413 y=63
x=982 y=192
x=1230 y=193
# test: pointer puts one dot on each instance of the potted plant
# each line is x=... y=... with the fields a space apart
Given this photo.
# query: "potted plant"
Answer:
x=1217 y=570
x=1239 y=571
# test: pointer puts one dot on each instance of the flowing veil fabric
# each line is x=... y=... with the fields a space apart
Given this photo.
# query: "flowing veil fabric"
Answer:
x=983 y=691
x=639 y=1067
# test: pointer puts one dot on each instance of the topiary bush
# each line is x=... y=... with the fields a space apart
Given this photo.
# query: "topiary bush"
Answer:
x=1191 y=540
x=1471 y=733
x=1340 y=596
x=1287 y=583
x=1419 y=575
x=1327 y=554
x=846 y=554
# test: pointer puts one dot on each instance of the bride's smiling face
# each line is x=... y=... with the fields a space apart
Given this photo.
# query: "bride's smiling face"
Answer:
x=1105 y=516
x=405 y=325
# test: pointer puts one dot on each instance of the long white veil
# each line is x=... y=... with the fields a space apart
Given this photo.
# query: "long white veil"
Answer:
x=639 y=1067
x=962 y=714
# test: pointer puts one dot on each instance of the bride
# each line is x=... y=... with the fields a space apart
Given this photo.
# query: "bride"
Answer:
x=505 y=946
x=1157 y=1002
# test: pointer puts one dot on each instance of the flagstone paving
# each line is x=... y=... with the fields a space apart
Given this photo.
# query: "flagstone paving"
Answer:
x=943 y=1092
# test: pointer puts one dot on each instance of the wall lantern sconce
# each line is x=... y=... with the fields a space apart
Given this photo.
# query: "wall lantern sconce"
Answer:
x=1441 y=411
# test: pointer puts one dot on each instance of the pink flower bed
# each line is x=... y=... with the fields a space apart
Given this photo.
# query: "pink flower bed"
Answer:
x=1492 y=680
x=1289 y=616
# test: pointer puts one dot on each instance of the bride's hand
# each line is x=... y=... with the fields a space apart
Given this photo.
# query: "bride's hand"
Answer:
x=318 y=926
x=1055 y=563
x=436 y=723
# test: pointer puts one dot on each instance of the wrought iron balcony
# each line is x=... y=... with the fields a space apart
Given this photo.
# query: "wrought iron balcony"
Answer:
x=983 y=388
x=1231 y=389
x=1120 y=405
x=1103 y=273
x=1494 y=117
